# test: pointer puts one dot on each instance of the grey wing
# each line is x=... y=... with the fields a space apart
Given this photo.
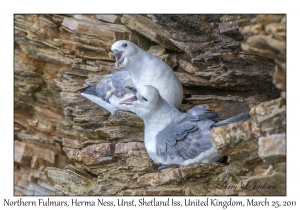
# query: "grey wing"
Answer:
x=183 y=140
x=112 y=84
x=119 y=80
x=202 y=113
x=198 y=109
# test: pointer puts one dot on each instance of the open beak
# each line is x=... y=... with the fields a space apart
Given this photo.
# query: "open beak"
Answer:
x=118 y=55
x=130 y=100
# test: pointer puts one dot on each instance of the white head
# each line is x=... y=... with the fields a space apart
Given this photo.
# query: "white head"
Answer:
x=145 y=100
x=124 y=52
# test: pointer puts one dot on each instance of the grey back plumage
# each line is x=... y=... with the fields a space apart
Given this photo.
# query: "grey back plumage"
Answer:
x=112 y=84
x=201 y=113
x=188 y=136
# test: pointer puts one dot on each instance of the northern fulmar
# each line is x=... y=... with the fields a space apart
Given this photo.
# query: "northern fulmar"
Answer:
x=174 y=138
x=141 y=68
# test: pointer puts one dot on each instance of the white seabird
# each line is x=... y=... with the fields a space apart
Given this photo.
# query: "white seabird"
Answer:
x=173 y=138
x=142 y=69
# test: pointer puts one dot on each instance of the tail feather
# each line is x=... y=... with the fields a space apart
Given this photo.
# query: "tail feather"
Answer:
x=231 y=120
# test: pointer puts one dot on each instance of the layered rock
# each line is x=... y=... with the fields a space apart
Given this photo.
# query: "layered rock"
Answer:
x=67 y=145
x=261 y=140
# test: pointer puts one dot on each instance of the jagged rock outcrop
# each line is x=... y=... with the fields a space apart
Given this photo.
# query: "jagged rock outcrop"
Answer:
x=66 y=145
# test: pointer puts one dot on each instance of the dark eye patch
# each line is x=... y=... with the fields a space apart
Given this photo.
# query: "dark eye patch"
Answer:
x=124 y=45
x=144 y=98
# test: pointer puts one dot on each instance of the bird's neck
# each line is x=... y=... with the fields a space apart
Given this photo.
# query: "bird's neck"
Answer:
x=156 y=121
x=159 y=119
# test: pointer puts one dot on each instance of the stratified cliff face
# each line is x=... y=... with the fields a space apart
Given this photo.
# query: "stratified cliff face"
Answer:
x=66 y=145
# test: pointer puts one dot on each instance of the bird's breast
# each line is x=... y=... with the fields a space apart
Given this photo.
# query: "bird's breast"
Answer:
x=150 y=140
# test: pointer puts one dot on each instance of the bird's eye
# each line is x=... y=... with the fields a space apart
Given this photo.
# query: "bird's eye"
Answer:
x=124 y=45
x=144 y=98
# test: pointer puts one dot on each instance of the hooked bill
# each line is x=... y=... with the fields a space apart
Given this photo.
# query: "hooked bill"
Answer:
x=119 y=57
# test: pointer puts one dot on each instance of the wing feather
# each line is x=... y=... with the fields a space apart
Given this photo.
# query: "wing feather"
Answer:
x=110 y=85
x=185 y=138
